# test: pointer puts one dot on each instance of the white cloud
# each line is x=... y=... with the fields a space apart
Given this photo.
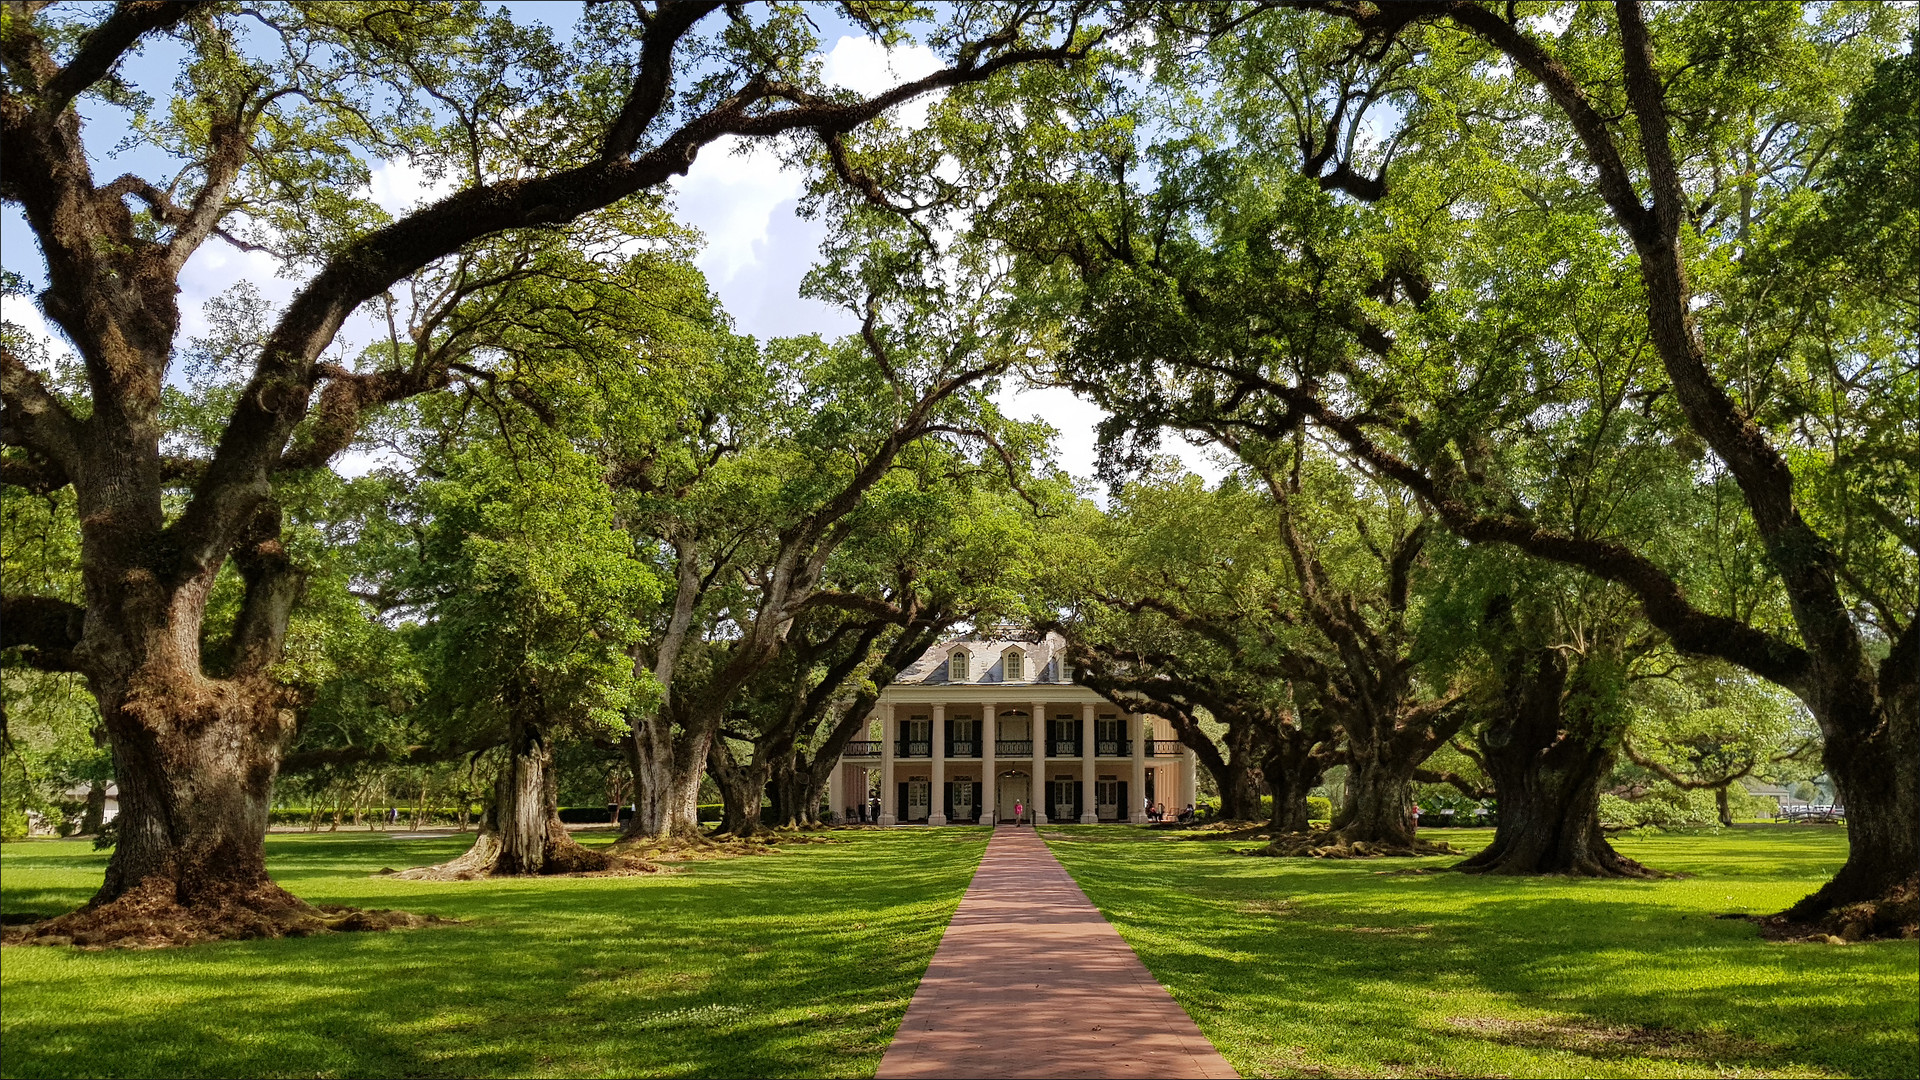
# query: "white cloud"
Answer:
x=400 y=186
x=24 y=313
x=864 y=66
x=1077 y=420
x=731 y=196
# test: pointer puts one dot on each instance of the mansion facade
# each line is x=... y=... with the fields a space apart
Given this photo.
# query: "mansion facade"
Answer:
x=981 y=724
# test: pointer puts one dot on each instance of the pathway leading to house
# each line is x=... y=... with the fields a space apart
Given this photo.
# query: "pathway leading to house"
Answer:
x=1030 y=980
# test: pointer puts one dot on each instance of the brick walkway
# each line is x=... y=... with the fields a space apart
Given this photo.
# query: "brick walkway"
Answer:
x=1030 y=980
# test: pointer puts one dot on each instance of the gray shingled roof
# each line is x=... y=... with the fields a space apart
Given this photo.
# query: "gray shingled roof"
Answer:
x=984 y=659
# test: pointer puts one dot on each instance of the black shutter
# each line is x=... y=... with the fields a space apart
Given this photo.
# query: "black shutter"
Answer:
x=902 y=815
x=1079 y=800
x=945 y=735
x=979 y=810
x=1125 y=812
x=946 y=796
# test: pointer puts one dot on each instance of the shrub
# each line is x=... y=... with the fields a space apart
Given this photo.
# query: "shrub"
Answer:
x=1319 y=808
x=1665 y=807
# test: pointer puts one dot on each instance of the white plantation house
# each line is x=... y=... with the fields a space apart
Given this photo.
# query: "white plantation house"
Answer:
x=981 y=723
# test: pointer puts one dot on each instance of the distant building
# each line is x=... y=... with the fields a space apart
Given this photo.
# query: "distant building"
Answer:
x=985 y=721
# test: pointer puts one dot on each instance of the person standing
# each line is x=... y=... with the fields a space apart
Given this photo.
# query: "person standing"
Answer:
x=1019 y=808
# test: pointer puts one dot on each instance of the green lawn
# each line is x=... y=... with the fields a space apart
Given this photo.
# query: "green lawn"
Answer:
x=1322 y=968
x=799 y=963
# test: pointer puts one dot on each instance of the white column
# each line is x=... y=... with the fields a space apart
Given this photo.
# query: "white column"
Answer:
x=1137 y=790
x=1089 y=763
x=1188 y=781
x=837 y=792
x=989 y=771
x=1037 y=790
x=937 y=815
x=888 y=804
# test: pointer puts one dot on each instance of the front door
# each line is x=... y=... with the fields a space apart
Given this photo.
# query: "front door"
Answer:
x=1010 y=790
x=1063 y=800
x=1106 y=799
x=963 y=800
x=919 y=799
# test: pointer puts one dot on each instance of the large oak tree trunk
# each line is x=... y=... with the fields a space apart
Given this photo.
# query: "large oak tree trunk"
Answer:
x=742 y=789
x=794 y=793
x=196 y=759
x=1292 y=769
x=1878 y=783
x=1239 y=790
x=521 y=832
x=1547 y=762
x=666 y=782
x=1378 y=809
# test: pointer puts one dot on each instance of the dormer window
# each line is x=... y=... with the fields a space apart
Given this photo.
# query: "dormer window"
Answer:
x=1011 y=665
x=957 y=666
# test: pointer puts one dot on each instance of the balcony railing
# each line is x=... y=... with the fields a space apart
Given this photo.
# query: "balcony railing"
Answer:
x=1066 y=748
x=862 y=748
x=1163 y=748
x=963 y=748
x=1113 y=747
x=911 y=748
x=1013 y=747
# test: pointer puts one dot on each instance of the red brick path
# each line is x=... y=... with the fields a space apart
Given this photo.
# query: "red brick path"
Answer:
x=1030 y=980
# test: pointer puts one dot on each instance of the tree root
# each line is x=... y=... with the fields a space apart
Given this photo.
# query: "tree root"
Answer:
x=150 y=916
x=1614 y=865
x=1893 y=917
x=1230 y=830
x=1329 y=844
x=564 y=858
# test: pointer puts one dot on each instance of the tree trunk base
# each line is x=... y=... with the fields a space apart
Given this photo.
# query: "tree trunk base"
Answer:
x=1893 y=917
x=151 y=916
x=564 y=858
x=1602 y=864
x=1331 y=844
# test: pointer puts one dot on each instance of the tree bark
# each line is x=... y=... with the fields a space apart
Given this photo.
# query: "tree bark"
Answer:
x=521 y=833
x=1379 y=805
x=666 y=781
x=1875 y=778
x=743 y=787
x=1294 y=764
x=1547 y=764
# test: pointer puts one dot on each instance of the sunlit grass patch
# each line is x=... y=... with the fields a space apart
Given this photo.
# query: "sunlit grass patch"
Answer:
x=799 y=963
x=1300 y=967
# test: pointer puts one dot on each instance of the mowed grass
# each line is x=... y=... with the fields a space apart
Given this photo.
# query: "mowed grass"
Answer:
x=1300 y=967
x=799 y=963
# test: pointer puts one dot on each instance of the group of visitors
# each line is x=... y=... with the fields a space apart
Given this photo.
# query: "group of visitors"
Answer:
x=1158 y=812
x=866 y=813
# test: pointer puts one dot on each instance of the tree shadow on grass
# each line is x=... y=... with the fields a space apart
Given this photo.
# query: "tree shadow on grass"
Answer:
x=797 y=965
